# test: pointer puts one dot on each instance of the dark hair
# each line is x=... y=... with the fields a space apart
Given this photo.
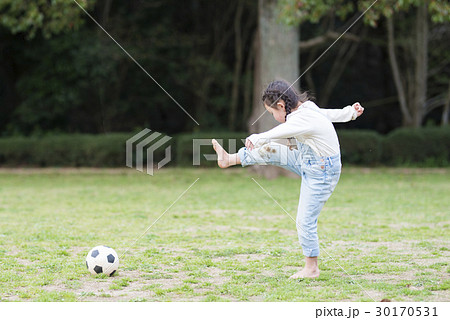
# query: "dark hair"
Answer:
x=281 y=90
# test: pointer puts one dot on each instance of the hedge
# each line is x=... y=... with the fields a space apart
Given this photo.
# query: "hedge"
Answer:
x=402 y=147
x=360 y=147
x=425 y=147
x=77 y=150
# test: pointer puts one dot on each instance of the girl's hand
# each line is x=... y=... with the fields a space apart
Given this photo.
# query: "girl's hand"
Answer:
x=248 y=144
x=359 y=109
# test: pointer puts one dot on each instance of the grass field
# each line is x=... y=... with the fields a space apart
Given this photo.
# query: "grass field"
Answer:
x=384 y=235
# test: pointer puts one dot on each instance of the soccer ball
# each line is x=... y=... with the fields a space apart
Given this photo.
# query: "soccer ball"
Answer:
x=102 y=259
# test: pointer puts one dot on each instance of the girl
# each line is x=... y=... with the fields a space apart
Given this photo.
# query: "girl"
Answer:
x=316 y=159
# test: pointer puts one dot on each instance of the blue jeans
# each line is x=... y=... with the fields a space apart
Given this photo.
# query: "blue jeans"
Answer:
x=320 y=176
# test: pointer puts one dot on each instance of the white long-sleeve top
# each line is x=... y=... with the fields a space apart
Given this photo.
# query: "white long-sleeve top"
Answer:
x=310 y=125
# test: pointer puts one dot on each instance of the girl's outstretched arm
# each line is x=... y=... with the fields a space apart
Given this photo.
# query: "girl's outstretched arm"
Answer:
x=285 y=130
x=345 y=114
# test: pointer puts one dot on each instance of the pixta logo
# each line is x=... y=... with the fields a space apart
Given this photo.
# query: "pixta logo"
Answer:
x=143 y=142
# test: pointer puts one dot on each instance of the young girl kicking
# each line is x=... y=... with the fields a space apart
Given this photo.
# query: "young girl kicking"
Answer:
x=316 y=159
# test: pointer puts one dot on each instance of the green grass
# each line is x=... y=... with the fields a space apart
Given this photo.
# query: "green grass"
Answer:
x=384 y=234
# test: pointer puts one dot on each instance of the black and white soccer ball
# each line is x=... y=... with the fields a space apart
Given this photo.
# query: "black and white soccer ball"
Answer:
x=102 y=259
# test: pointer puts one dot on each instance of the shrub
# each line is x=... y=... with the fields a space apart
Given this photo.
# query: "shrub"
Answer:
x=78 y=150
x=360 y=147
x=410 y=147
x=17 y=151
x=421 y=146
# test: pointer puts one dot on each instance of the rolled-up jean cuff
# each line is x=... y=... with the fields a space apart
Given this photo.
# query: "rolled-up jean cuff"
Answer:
x=311 y=252
x=242 y=154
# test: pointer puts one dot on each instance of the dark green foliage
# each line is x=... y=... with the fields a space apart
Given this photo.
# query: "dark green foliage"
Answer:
x=79 y=150
x=361 y=147
x=17 y=151
x=49 y=17
x=403 y=147
x=80 y=81
x=104 y=150
x=60 y=73
x=425 y=146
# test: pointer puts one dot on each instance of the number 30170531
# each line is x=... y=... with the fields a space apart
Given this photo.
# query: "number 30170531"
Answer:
x=406 y=311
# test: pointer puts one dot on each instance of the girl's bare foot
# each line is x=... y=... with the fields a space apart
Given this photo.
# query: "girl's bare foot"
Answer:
x=311 y=269
x=305 y=273
x=223 y=158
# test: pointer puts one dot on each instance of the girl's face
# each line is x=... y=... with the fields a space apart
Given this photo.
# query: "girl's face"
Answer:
x=278 y=111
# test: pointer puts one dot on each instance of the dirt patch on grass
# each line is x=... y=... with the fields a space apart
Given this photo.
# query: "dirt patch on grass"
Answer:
x=128 y=286
x=26 y=171
x=216 y=276
x=402 y=247
x=26 y=262
x=396 y=170
x=408 y=269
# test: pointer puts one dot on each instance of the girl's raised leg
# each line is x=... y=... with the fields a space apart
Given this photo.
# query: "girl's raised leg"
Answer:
x=269 y=154
x=224 y=159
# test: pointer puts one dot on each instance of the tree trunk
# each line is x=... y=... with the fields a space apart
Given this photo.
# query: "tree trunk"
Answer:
x=277 y=57
x=407 y=118
x=412 y=84
x=248 y=78
x=221 y=35
x=446 y=110
x=104 y=124
x=105 y=12
x=421 y=65
x=308 y=76
x=238 y=54
x=9 y=98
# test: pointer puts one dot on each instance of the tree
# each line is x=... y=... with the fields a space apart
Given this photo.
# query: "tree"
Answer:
x=327 y=15
x=342 y=54
x=81 y=81
x=410 y=67
x=412 y=78
x=277 y=57
x=243 y=26
x=49 y=17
